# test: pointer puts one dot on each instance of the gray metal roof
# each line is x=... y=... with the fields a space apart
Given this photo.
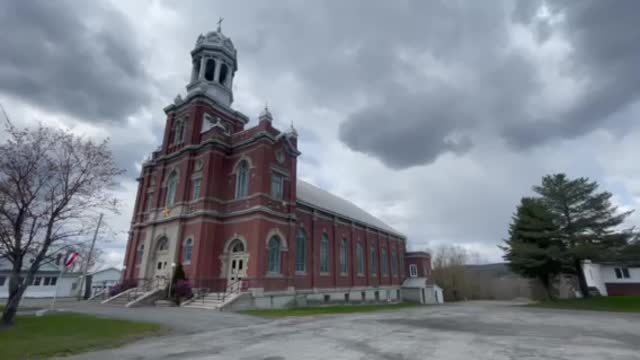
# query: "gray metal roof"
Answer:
x=324 y=200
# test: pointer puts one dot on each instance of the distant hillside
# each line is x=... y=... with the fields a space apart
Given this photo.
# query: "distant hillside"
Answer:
x=497 y=270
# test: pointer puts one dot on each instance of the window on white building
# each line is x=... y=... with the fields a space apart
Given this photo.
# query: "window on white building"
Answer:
x=413 y=270
x=53 y=281
x=622 y=273
x=2 y=280
x=46 y=282
x=36 y=281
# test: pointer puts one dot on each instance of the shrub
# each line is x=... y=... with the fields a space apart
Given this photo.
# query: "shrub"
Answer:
x=182 y=291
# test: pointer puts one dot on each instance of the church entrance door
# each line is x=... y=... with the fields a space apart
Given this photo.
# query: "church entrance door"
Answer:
x=237 y=266
x=161 y=264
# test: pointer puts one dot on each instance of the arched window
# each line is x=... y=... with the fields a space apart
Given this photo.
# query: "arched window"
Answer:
x=163 y=244
x=209 y=70
x=237 y=246
x=344 y=257
x=274 y=254
x=360 y=258
x=324 y=254
x=394 y=263
x=179 y=133
x=242 y=179
x=139 y=254
x=187 y=251
x=374 y=261
x=224 y=71
x=172 y=186
x=385 y=262
x=301 y=251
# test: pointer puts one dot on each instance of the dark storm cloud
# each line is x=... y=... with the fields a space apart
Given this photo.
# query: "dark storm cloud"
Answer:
x=605 y=56
x=366 y=59
x=71 y=57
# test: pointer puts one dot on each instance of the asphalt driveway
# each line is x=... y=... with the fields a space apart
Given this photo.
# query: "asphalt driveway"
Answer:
x=468 y=331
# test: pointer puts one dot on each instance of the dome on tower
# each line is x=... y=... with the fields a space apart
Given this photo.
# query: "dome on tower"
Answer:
x=215 y=40
x=214 y=63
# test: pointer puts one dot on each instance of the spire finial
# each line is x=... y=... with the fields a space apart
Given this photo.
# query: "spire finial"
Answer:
x=220 y=24
x=265 y=114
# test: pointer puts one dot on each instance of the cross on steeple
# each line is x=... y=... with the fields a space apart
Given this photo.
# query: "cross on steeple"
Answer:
x=220 y=24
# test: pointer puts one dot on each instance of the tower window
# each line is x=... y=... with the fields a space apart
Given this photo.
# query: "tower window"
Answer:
x=242 y=179
x=179 y=133
x=224 y=71
x=209 y=70
x=277 y=186
x=172 y=185
x=197 y=185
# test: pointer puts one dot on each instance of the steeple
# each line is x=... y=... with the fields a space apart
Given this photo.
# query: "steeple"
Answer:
x=214 y=61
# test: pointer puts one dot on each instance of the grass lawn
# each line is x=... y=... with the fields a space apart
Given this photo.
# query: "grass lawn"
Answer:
x=64 y=334
x=326 y=310
x=611 y=303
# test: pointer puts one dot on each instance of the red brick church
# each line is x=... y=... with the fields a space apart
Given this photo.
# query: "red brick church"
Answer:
x=224 y=200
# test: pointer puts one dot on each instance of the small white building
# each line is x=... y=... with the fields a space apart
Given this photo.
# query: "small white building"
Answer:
x=45 y=284
x=613 y=278
x=102 y=280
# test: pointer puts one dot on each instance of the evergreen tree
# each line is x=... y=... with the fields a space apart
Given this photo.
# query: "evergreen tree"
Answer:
x=588 y=223
x=534 y=249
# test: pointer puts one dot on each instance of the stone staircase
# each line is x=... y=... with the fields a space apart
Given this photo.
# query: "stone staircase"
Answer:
x=125 y=297
x=212 y=301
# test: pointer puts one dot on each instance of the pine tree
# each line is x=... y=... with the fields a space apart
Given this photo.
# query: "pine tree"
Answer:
x=587 y=221
x=534 y=249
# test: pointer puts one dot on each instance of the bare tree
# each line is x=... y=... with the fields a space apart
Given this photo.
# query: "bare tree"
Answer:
x=51 y=184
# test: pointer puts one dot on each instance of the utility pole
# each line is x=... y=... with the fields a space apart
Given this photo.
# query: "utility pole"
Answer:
x=86 y=262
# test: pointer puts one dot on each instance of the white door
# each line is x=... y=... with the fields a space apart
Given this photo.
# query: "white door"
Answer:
x=161 y=264
x=237 y=271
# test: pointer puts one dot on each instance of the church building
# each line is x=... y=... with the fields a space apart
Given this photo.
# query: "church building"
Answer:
x=224 y=200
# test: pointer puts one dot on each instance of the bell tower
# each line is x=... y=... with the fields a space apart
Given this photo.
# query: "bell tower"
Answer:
x=214 y=61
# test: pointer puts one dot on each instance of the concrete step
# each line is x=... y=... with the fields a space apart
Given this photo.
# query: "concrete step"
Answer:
x=202 y=306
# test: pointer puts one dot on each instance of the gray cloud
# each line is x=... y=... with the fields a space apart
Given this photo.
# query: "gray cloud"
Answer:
x=71 y=57
x=604 y=57
x=367 y=59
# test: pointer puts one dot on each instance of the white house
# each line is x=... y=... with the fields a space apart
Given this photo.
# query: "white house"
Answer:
x=45 y=284
x=613 y=278
x=103 y=280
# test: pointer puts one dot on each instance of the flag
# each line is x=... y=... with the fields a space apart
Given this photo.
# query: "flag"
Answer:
x=71 y=257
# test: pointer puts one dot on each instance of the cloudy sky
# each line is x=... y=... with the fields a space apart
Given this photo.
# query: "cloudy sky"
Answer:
x=436 y=116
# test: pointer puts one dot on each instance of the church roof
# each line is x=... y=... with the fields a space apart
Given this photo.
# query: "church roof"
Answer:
x=324 y=200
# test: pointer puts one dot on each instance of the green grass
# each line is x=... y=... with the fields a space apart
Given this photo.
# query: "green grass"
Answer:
x=326 y=310
x=63 y=334
x=611 y=303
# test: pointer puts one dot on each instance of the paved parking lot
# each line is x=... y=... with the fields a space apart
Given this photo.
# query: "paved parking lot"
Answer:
x=466 y=331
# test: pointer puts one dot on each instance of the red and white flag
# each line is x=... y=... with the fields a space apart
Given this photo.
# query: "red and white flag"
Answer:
x=71 y=257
